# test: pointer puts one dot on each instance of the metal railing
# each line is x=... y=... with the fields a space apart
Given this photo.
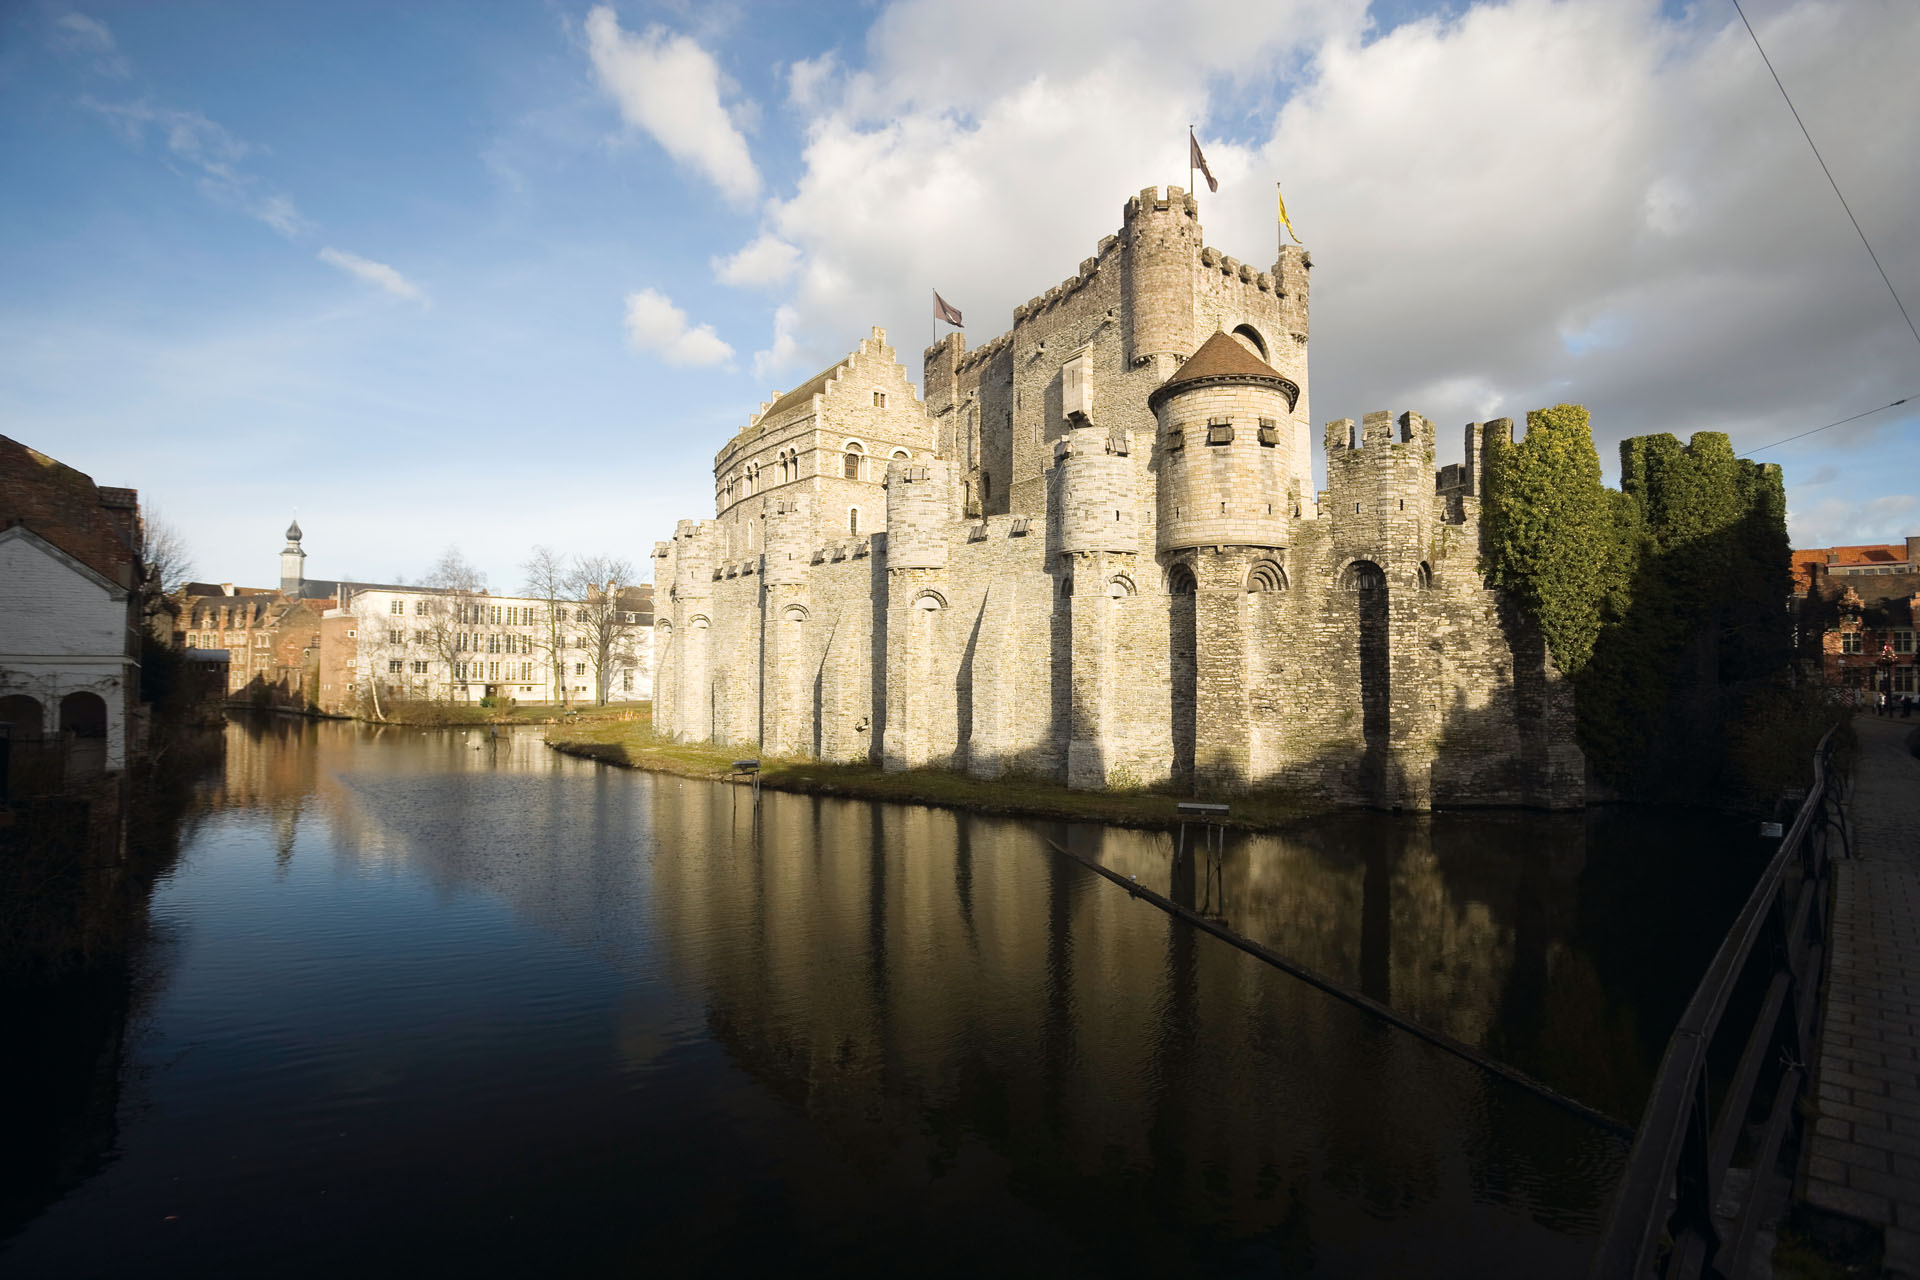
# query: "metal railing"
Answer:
x=1669 y=1218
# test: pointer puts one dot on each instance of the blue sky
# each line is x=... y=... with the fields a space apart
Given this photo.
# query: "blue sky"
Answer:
x=501 y=275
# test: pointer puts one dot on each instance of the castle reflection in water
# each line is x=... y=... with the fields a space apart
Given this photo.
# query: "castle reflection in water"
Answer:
x=948 y=1003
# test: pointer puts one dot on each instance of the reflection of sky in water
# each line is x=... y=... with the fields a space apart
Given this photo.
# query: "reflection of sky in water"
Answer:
x=450 y=1001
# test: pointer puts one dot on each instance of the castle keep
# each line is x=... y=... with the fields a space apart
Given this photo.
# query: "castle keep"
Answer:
x=1093 y=552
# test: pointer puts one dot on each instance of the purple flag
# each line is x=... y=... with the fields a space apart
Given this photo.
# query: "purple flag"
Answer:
x=944 y=310
x=1197 y=160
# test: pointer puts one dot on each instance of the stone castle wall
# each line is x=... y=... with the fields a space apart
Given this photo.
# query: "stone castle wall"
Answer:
x=1083 y=571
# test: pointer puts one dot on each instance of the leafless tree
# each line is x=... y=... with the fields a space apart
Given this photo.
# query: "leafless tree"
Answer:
x=451 y=630
x=168 y=564
x=375 y=627
x=549 y=578
x=604 y=610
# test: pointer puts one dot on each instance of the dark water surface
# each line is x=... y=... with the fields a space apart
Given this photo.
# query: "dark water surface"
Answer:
x=421 y=1002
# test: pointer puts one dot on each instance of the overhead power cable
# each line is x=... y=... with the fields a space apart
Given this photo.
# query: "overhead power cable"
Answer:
x=1831 y=425
x=1830 y=182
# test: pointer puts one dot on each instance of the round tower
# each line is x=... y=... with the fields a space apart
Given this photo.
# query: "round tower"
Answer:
x=293 y=563
x=917 y=513
x=1162 y=239
x=1093 y=498
x=1226 y=450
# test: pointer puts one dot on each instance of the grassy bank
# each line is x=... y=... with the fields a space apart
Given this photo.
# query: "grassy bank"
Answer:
x=632 y=744
x=439 y=715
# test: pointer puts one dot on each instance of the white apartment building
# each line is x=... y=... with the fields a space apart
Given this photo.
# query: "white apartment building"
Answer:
x=419 y=642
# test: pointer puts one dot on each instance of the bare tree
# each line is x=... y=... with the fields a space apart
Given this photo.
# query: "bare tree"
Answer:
x=548 y=580
x=168 y=565
x=604 y=610
x=452 y=623
x=375 y=630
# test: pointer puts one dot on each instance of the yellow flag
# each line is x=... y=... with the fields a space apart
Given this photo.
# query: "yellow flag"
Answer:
x=1284 y=221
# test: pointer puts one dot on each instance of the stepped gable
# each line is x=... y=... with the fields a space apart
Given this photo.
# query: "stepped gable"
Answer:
x=803 y=395
x=1222 y=358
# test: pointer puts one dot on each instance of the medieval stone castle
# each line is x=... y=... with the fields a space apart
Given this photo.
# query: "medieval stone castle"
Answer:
x=1093 y=553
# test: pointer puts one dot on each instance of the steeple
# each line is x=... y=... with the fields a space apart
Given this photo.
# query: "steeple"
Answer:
x=293 y=563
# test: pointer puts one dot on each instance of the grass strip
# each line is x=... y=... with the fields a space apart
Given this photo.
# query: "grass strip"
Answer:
x=632 y=744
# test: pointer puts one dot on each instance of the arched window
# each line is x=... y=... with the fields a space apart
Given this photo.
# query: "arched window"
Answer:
x=854 y=457
x=903 y=455
x=1180 y=581
x=986 y=490
x=1250 y=338
x=1426 y=576
x=1120 y=586
x=1266 y=576
x=853 y=521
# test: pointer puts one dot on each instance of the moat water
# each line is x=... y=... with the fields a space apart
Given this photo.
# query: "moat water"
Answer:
x=426 y=1001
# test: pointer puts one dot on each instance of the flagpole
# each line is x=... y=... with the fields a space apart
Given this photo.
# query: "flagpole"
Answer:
x=1189 y=159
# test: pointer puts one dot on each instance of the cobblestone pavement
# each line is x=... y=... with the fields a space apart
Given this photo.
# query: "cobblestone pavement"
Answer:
x=1864 y=1158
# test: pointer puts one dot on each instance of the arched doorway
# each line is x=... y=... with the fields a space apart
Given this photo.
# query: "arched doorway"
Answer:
x=1183 y=662
x=84 y=715
x=23 y=716
x=1365 y=579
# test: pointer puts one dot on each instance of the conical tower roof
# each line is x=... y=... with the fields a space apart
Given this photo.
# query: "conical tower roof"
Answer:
x=1223 y=358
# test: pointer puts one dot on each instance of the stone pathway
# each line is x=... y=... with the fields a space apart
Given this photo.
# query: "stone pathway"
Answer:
x=1864 y=1158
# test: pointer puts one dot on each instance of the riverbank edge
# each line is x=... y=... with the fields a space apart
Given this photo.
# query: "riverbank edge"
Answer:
x=1010 y=797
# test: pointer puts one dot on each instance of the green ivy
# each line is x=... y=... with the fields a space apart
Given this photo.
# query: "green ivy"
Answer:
x=1548 y=535
x=1675 y=583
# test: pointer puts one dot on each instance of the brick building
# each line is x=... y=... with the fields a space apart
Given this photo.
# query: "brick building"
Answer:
x=72 y=580
x=1858 y=614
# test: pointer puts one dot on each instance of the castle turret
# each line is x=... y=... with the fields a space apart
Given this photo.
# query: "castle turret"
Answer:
x=918 y=511
x=691 y=599
x=293 y=562
x=1093 y=500
x=785 y=612
x=1226 y=450
x=1162 y=239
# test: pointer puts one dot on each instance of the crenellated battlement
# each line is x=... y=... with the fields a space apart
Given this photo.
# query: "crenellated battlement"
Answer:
x=1214 y=260
x=1379 y=430
x=1176 y=201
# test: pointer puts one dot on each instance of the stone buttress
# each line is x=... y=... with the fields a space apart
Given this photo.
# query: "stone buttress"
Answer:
x=918 y=727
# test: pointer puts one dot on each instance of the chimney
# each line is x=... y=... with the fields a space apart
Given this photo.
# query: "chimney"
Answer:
x=1913 y=552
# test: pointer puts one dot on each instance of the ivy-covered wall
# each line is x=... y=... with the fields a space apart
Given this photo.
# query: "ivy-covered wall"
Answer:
x=1655 y=599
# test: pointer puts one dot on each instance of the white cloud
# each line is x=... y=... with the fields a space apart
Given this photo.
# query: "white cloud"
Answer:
x=376 y=273
x=210 y=157
x=78 y=34
x=671 y=87
x=1848 y=522
x=809 y=79
x=784 y=354
x=1599 y=200
x=655 y=324
x=766 y=260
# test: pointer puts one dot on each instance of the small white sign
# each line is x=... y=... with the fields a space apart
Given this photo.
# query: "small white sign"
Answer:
x=1771 y=831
